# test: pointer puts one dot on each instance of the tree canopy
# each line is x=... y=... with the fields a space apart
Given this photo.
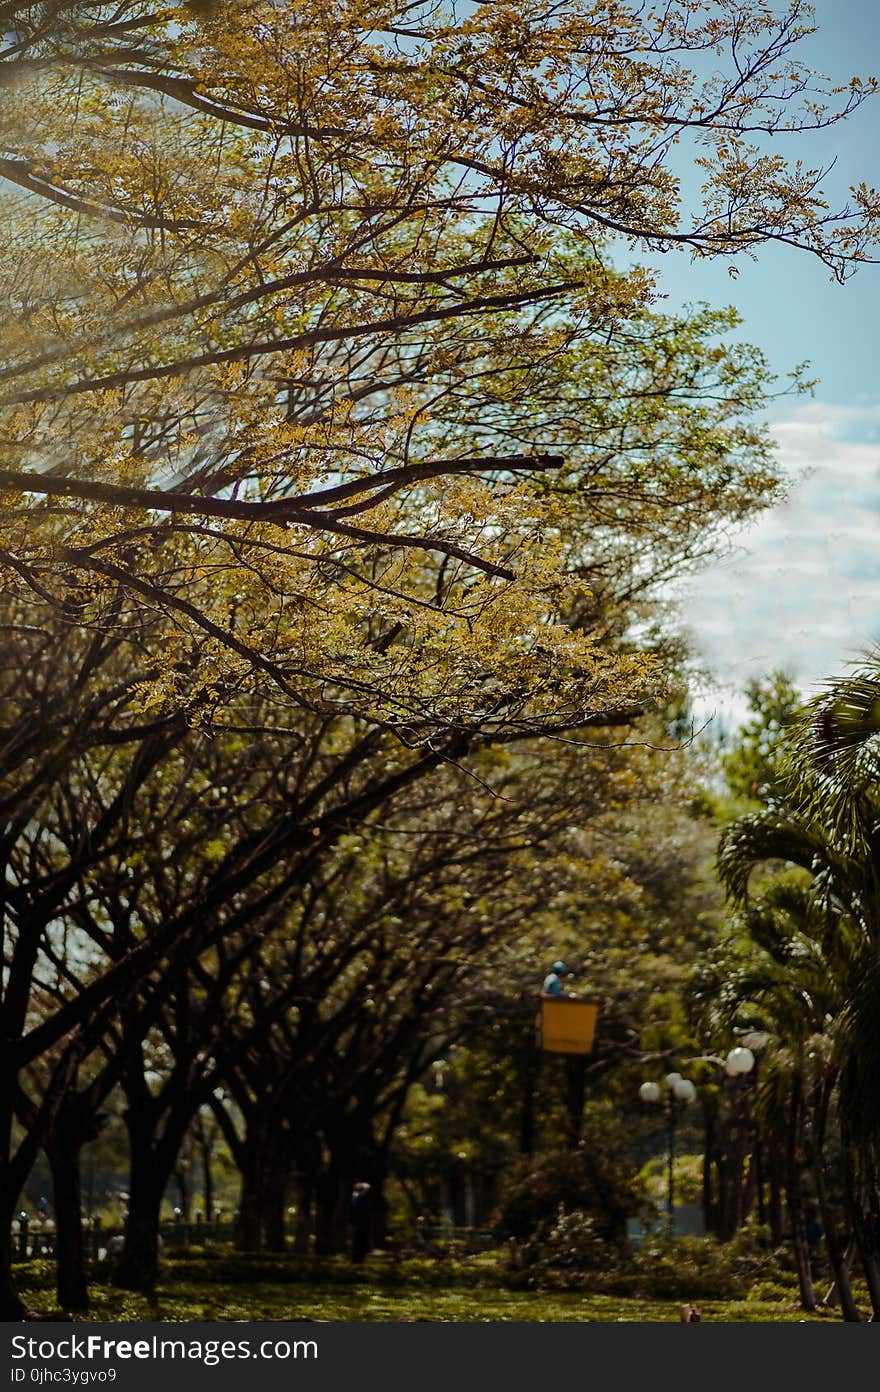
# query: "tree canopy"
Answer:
x=314 y=343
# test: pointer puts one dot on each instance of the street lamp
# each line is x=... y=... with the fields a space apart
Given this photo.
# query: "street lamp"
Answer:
x=739 y=1062
x=680 y=1092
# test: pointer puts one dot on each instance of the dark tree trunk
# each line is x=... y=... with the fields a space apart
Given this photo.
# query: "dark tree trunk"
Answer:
x=759 y=1179
x=836 y=1252
x=575 y=1093
x=795 y=1202
x=837 y=1257
x=775 y=1216
x=710 y=1113
x=265 y=1174
x=305 y=1188
x=732 y=1147
x=248 y=1227
x=331 y=1211
x=721 y=1190
x=71 y=1281
x=868 y=1260
x=274 y=1223
x=860 y=1220
x=207 y=1180
x=274 y=1202
x=732 y=1217
x=351 y=1158
x=527 y=1115
x=138 y=1266
x=872 y=1234
x=379 y=1204
x=11 y=1306
x=800 y=1248
x=183 y=1176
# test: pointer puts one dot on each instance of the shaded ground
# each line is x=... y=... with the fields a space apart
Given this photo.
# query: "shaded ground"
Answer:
x=192 y=1290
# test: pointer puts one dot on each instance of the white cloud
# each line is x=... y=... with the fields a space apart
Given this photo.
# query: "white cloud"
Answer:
x=802 y=590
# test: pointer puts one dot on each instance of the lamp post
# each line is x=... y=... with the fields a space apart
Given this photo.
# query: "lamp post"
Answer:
x=680 y=1092
x=740 y=1061
x=738 y=1065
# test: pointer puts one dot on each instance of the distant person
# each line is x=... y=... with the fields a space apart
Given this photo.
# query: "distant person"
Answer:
x=359 y=1214
x=553 y=980
x=691 y=1314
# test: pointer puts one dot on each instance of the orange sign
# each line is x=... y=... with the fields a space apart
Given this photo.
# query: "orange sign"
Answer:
x=567 y=1025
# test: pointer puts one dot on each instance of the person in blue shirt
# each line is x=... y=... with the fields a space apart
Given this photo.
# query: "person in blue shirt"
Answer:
x=553 y=980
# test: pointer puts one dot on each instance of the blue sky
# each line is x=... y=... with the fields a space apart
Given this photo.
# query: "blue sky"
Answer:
x=802 y=590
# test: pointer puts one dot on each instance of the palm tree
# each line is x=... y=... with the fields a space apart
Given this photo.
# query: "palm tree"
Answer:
x=795 y=971
x=820 y=930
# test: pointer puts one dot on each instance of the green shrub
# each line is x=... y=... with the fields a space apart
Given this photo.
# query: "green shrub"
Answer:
x=596 y=1179
x=571 y=1253
x=765 y=1291
x=560 y=1253
x=39 y=1274
x=702 y=1268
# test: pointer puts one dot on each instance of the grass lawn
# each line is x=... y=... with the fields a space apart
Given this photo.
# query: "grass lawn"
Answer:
x=192 y=1290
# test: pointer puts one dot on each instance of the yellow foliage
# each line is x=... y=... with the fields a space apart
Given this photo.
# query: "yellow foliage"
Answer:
x=313 y=345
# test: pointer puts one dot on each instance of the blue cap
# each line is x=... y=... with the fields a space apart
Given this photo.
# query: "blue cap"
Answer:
x=558 y=968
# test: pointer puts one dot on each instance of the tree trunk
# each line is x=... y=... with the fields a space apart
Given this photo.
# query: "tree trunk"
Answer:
x=836 y=1253
x=732 y=1219
x=274 y=1202
x=248 y=1227
x=795 y=1202
x=527 y=1114
x=575 y=1092
x=861 y=1222
x=835 y=1248
x=722 y=1191
x=354 y=1156
x=801 y=1252
x=265 y=1174
x=274 y=1223
x=709 y=1128
x=71 y=1281
x=759 y=1178
x=138 y=1266
x=775 y=1216
x=184 y=1177
x=839 y=1264
x=379 y=1204
x=331 y=1212
x=305 y=1188
x=732 y=1145
x=11 y=1306
x=872 y=1244
x=207 y=1181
